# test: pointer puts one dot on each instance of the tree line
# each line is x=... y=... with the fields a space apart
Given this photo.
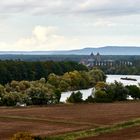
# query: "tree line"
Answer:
x=43 y=92
x=123 y=69
x=104 y=93
x=20 y=70
x=116 y=92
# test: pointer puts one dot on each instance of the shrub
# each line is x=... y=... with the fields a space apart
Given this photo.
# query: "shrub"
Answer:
x=134 y=91
x=40 y=95
x=75 y=97
x=90 y=99
x=10 y=99
x=96 y=75
x=57 y=93
x=23 y=136
x=117 y=91
x=101 y=86
x=102 y=96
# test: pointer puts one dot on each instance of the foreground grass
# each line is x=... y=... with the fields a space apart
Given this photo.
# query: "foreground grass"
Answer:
x=95 y=131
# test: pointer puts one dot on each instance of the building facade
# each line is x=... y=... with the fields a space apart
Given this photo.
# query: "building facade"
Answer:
x=97 y=60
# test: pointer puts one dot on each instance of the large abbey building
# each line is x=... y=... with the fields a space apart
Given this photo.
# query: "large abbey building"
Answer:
x=97 y=60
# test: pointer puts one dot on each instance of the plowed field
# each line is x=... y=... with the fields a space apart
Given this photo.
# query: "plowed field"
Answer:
x=58 y=119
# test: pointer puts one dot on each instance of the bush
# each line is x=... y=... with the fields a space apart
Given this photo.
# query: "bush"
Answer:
x=117 y=91
x=41 y=95
x=134 y=91
x=42 y=92
x=57 y=93
x=96 y=75
x=23 y=136
x=10 y=99
x=90 y=99
x=102 y=96
x=75 y=97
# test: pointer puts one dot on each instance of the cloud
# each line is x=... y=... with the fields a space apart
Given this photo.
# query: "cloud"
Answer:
x=95 y=7
x=42 y=38
x=101 y=23
x=91 y=19
x=41 y=33
x=49 y=38
x=110 y=7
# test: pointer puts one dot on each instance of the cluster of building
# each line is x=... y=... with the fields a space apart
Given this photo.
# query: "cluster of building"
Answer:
x=97 y=60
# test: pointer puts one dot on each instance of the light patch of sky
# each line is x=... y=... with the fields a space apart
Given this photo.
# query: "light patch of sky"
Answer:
x=90 y=23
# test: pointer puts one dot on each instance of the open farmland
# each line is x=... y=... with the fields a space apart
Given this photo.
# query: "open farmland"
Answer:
x=60 y=119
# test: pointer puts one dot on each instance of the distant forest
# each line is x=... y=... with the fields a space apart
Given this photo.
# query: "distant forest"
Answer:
x=123 y=69
x=76 y=58
x=33 y=67
x=21 y=70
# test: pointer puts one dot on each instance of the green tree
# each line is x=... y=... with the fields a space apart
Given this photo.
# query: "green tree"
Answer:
x=57 y=93
x=101 y=96
x=2 y=92
x=134 y=91
x=63 y=85
x=117 y=91
x=75 y=97
x=96 y=75
x=54 y=80
x=101 y=86
x=10 y=99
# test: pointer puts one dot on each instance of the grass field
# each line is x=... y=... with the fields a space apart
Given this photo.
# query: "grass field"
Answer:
x=66 y=120
x=132 y=133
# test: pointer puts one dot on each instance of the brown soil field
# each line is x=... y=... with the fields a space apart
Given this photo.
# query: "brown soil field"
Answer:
x=132 y=133
x=9 y=127
x=58 y=119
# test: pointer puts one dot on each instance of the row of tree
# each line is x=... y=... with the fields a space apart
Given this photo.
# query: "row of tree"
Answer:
x=42 y=92
x=76 y=80
x=30 y=93
x=19 y=70
x=125 y=70
x=104 y=92
x=115 y=92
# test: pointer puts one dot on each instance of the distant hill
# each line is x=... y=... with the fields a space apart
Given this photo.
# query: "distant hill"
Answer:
x=108 y=50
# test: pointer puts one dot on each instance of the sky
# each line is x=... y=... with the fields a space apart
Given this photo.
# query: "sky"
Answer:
x=42 y=25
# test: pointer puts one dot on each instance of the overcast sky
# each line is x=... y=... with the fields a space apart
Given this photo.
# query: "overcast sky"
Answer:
x=31 y=25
